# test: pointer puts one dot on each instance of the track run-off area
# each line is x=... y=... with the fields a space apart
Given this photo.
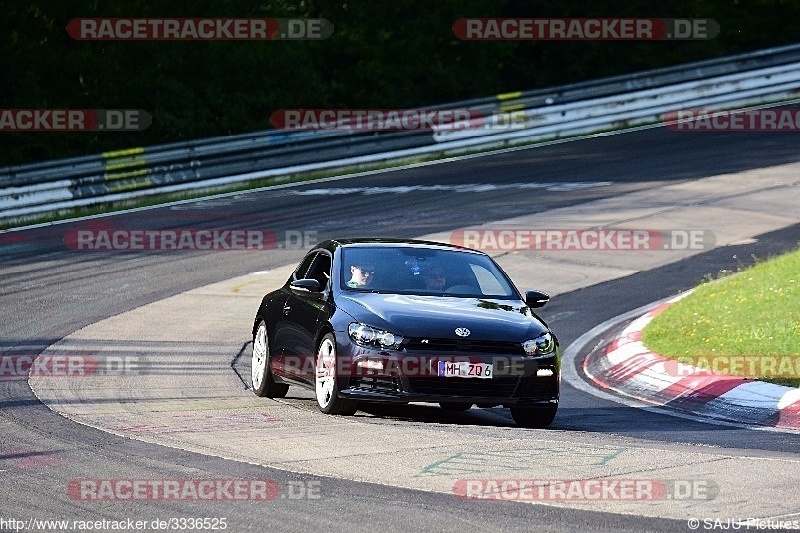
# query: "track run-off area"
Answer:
x=181 y=321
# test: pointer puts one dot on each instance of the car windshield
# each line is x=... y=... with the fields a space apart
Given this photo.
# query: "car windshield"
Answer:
x=423 y=271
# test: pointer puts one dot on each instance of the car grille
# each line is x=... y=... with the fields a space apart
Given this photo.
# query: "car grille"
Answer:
x=485 y=388
x=448 y=346
x=377 y=383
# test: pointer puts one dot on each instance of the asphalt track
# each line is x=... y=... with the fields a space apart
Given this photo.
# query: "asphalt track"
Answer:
x=49 y=291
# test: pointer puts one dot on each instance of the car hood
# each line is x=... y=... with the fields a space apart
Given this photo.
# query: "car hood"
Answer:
x=439 y=316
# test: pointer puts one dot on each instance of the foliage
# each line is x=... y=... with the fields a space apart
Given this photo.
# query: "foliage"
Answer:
x=383 y=53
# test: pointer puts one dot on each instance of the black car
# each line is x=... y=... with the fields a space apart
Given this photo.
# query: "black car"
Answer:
x=384 y=320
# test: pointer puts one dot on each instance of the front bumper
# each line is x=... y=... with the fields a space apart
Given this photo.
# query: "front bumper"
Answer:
x=482 y=401
x=403 y=377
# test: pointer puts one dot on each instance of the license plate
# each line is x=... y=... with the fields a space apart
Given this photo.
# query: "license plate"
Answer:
x=464 y=369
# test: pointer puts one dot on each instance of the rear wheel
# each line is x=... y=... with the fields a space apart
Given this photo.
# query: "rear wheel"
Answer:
x=455 y=406
x=327 y=382
x=260 y=373
x=534 y=417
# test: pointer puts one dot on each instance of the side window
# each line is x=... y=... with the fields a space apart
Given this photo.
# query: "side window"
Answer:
x=320 y=269
x=300 y=273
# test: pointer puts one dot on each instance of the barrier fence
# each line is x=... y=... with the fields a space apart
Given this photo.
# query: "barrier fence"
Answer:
x=502 y=120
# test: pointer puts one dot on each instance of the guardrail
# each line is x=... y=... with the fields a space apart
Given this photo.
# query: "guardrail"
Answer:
x=609 y=103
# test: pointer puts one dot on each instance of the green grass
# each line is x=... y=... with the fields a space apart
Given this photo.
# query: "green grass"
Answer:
x=755 y=312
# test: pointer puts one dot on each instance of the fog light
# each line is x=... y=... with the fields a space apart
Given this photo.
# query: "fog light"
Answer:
x=371 y=364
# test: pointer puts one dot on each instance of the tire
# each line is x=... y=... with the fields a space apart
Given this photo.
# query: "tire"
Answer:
x=260 y=373
x=326 y=383
x=533 y=417
x=455 y=406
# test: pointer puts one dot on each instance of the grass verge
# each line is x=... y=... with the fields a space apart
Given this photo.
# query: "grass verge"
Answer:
x=746 y=324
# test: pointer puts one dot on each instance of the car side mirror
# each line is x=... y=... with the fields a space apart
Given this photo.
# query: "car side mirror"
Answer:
x=535 y=299
x=306 y=285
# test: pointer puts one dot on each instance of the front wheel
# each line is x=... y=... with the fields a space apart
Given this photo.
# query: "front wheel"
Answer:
x=533 y=417
x=260 y=373
x=327 y=383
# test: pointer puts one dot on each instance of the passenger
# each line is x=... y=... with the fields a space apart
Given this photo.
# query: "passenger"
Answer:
x=361 y=275
x=435 y=278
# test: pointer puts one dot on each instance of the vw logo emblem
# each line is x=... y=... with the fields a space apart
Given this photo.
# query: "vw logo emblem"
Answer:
x=462 y=332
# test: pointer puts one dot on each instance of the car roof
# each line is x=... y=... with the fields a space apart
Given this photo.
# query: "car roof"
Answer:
x=392 y=243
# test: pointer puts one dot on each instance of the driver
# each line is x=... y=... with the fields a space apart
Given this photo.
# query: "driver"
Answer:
x=361 y=275
x=434 y=278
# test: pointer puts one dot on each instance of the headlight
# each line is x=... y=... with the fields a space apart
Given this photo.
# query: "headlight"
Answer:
x=541 y=345
x=378 y=338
